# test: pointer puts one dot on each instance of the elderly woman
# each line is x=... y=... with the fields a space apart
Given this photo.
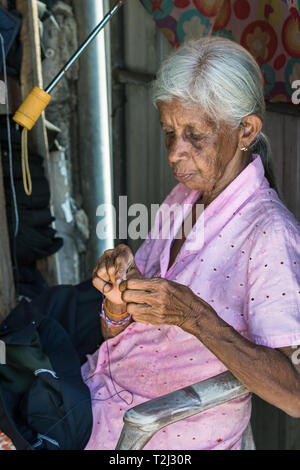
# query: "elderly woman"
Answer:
x=191 y=308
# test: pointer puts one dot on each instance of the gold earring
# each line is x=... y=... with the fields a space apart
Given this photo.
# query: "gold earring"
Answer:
x=244 y=149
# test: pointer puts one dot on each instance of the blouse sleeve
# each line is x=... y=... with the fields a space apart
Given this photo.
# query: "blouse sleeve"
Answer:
x=273 y=296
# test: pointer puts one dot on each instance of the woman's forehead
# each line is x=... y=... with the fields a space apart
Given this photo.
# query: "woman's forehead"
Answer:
x=178 y=113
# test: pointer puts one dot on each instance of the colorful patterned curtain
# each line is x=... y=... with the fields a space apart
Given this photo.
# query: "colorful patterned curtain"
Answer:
x=5 y=442
x=269 y=29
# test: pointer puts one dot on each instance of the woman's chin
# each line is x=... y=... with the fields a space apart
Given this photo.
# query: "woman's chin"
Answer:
x=192 y=183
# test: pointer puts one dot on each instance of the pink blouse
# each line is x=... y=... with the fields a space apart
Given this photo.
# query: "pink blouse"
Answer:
x=242 y=257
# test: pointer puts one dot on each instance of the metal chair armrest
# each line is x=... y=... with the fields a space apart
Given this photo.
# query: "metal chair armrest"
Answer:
x=144 y=420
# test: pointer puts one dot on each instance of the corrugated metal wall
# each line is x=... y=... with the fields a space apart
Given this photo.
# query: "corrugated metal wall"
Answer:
x=284 y=133
x=149 y=179
x=272 y=428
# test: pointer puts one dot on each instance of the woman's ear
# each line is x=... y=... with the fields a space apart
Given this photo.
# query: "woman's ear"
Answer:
x=251 y=126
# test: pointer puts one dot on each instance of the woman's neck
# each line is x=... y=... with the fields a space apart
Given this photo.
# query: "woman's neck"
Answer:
x=208 y=197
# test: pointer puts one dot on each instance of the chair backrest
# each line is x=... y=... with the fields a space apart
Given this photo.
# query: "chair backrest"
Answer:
x=143 y=421
x=2 y=352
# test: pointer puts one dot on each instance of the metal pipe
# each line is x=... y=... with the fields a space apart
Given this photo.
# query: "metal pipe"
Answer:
x=130 y=77
x=95 y=165
x=89 y=39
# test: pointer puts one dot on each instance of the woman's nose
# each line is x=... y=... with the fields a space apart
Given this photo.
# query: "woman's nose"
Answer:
x=177 y=150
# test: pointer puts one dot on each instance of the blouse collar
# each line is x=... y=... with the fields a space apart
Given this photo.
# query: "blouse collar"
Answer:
x=219 y=211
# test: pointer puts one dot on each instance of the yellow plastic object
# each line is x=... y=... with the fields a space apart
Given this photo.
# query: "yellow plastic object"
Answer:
x=32 y=107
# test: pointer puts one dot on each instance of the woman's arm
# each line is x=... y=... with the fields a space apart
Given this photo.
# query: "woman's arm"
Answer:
x=262 y=370
x=267 y=372
x=121 y=314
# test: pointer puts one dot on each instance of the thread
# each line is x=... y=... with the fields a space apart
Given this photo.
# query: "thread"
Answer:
x=118 y=393
x=110 y=374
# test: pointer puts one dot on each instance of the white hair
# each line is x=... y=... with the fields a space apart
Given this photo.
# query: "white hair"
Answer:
x=223 y=80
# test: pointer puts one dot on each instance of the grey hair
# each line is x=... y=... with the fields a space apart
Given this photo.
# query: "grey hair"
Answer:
x=223 y=79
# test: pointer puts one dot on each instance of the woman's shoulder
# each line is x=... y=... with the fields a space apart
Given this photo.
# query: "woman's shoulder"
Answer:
x=274 y=223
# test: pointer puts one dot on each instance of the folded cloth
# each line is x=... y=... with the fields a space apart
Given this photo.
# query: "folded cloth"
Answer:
x=33 y=218
x=9 y=27
x=36 y=238
x=36 y=243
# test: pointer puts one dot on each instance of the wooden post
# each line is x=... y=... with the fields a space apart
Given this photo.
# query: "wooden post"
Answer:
x=7 y=287
x=31 y=75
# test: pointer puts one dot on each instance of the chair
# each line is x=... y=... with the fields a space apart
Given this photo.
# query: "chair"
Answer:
x=144 y=420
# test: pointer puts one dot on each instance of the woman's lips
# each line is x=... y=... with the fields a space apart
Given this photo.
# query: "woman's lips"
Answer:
x=182 y=176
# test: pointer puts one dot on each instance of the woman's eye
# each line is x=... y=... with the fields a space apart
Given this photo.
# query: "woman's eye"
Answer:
x=195 y=137
x=169 y=135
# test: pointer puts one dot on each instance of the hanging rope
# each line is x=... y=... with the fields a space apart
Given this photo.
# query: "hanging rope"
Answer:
x=27 y=183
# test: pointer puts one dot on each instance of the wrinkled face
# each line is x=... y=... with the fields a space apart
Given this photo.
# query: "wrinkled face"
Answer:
x=202 y=156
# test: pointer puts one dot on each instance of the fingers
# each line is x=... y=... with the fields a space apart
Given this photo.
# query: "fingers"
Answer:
x=103 y=286
x=143 y=313
x=112 y=266
x=120 y=272
x=154 y=285
x=154 y=301
x=119 y=265
x=138 y=297
x=101 y=269
x=140 y=313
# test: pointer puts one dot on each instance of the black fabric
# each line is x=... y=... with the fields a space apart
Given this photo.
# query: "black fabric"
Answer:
x=55 y=331
x=50 y=3
x=39 y=198
x=8 y=426
x=33 y=283
x=35 y=244
x=9 y=28
x=36 y=238
x=77 y=309
x=36 y=218
x=10 y=23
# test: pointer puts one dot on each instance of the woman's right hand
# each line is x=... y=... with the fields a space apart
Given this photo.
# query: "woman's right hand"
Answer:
x=113 y=266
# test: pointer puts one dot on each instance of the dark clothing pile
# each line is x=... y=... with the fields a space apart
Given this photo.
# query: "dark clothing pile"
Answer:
x=44 y=403
x=10 y=24
x=36 y=238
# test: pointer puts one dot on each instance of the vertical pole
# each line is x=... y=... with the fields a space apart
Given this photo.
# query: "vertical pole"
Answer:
x=94 y=128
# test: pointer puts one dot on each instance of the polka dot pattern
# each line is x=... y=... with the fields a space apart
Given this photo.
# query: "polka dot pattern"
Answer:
x=249 y=279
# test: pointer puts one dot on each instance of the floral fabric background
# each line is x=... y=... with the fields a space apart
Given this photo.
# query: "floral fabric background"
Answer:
x=5 y=442
x=269 y=29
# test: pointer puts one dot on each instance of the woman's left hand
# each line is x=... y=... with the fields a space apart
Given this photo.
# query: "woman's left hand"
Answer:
x=161 y=302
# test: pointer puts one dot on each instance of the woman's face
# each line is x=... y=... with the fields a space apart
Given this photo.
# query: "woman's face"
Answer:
x=202 y=156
